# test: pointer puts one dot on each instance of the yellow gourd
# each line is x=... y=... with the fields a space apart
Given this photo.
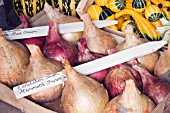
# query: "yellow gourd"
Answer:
x=94 y=12
x=139 y=5
x=120 y=22
x=113 y=27
x=152 y=13
x=166 y=13
x=116 y=5
x=147 y=30
x=166 y=3
x=101 y=2
x=126 y=23
x=157 y=3
x=157 y=23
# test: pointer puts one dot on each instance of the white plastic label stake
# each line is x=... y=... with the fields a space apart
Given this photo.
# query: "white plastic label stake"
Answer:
x=39 y=84
x=88 y=68
x=43 y=30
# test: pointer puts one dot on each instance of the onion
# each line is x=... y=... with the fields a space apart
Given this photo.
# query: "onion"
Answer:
x=14 y=58
x=131 y=101
x=153 y=87
x=57 y=48
x=84 y=55
x=39 y=67
x=36 y=40
x=98 y=41
x=115 y=80
x=131 y=40
x=163 y=64
x=60 y=18
x=82 y=94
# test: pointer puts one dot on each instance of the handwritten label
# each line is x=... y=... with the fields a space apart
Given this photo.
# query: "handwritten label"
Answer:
x=26 y=33
x=39 y=85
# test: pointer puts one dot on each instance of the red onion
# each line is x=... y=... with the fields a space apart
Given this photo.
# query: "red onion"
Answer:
x=57 y=48
x=115 y=80
x=153 y=87
x=85 y=55
x=100 y=75
x=36 y=40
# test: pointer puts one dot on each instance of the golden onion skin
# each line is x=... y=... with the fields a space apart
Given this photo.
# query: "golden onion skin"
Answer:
x=82 y=94
x=14 y=59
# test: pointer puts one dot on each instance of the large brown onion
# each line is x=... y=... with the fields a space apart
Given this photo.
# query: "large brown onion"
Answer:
x=163 y=64
x=82 y=94
x=131 y=101
x=153 y=87
x=39 y=67
x=98 y=41
x=14 y=58
x=131 y=40
x=115 y=80
x=60 y=18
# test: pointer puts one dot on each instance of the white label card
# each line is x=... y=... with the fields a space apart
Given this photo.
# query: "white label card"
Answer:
x=39 y=85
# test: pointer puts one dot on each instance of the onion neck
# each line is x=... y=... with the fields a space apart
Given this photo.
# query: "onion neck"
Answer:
x=131 y=38
x=53 y=14
x=130 y=92
x=25 y=21
x=53 y=33
x=35 y=51
x=88 y=23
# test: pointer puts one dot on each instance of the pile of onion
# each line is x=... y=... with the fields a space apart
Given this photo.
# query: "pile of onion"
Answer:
x=98 y=41
x=131 y=40
x=130 y=101
x=14 y=58
x=39 y=67
x=82 y=94
x=154 y=87
x=115 y=81
x=36 y=40
x=60 y=18
x=57 y=48
x=162 y=67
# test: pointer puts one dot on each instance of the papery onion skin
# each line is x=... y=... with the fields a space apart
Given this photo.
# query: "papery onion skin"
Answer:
x=153 y=87
x=163 y=64
x=98 y=41
x=14 y=58
x=84 y=55
x=131 y=40
x=82 y=94
x=40 y=67
x=57 y=48
x=130 y=101
x=115 y=80
x=40 y=41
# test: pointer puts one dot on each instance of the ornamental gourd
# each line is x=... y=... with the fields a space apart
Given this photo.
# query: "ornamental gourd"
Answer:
x=128 y=22
x=116 y=5
x=139 y=5
x=166 y=13
x=28 y=7
x=67 y=7
x=147 y=30
x=152 y=13
x=101 y=2
x=94 y=12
